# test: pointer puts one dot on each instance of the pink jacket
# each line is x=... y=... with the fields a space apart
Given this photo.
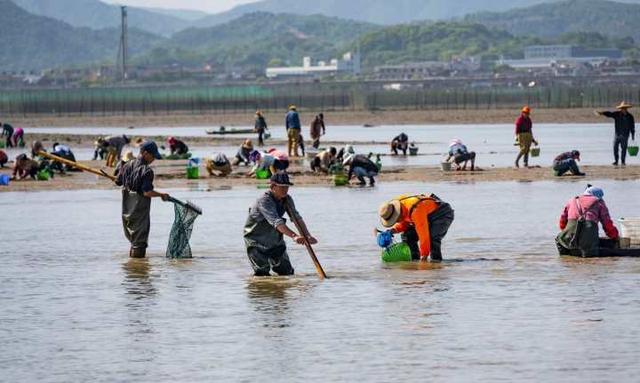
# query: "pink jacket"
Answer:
x=594 y=210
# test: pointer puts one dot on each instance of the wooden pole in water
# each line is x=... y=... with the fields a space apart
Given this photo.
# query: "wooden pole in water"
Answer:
x=307 y=244
x=76 y=165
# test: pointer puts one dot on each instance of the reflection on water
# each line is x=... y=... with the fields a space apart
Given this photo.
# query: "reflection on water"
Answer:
x=137 y=280
x=491 y=311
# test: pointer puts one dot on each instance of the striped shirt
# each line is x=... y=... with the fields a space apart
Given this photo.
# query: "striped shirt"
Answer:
x=135 y=176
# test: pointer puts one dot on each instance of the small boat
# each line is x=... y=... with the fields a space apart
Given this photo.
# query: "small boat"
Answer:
x=222 y=130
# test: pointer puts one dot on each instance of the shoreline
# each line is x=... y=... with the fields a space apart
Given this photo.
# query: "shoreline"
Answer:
x=347 y=117
x=171 y=175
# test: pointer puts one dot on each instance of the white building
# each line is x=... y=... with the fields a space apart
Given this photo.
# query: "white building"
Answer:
x=349 y=64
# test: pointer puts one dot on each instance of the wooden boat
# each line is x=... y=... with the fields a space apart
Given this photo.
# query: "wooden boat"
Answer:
x=222 y=130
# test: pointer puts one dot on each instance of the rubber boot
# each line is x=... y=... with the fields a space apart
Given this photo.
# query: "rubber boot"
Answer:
x=518 y=160
x=138 y=252
x=526 y=160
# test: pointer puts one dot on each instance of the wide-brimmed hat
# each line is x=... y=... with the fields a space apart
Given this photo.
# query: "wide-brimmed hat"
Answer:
x=292 y=107
x=624 y=105
x=281 y=179
x=389 y=213
x=248 y=144
x=526 y=109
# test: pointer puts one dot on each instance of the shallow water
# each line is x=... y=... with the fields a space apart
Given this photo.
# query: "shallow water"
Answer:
x=74 y=308
x=493 y=143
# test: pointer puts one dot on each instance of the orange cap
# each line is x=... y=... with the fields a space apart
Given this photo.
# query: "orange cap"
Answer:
x=526 y=109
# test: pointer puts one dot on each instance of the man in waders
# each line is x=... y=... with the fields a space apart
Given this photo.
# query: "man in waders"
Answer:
x=265 y=229
x=423 y=221
x=136 y=179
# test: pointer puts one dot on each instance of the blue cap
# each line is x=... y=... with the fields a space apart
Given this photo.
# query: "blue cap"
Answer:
x=152 y=148
x=281 y=179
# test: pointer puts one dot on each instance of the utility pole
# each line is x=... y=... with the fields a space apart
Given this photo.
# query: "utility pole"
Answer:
x=121 y=61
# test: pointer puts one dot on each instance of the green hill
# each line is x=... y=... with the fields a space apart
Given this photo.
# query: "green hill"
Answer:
x=438 y=41
x=96 y=15
x=32 y=42
x=256 y=39
x=554 y=19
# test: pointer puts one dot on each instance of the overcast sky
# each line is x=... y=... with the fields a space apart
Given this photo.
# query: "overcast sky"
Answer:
x=211 y=6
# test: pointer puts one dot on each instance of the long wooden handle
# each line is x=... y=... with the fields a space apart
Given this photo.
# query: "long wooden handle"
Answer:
x=307 y=244
x=76 y=165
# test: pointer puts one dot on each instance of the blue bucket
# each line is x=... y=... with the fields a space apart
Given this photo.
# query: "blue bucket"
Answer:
x=4 y=180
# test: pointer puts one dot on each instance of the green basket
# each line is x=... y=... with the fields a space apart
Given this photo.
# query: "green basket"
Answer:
x=633 y=150
x=535 y=152
x=43 y=175
x=193 y=173
x=2 y=144
x=263 y=174
x=340 y=180
x=399 y=252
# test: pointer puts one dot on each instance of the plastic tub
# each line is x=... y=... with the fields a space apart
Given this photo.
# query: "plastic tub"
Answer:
x=535 y=152
x=446 y=166
x=399 y=252
x=4 y=180
x=263 y=174
x=43 y=175
x=630 y=228
x=633 y=150
x=340 y=180
x=413 y=151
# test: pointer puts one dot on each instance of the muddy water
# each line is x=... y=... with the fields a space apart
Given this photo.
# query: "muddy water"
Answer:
x=493 y=143
x=503 y=306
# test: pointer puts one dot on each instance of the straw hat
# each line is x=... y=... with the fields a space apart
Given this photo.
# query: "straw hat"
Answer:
x=624 y=105
x=247 y=144
x=292 y=107
x=389 y=213
x=526 y=109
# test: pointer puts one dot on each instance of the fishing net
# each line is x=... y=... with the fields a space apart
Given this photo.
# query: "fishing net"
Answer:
x=181 y=232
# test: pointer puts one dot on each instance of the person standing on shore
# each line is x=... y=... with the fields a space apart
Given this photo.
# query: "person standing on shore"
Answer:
x=265 y=229
x=625 y=126
x=317 y=130
x=524 y=136
x=7 y=131
x=136 y=179
x=260 y=127
x=292 y=123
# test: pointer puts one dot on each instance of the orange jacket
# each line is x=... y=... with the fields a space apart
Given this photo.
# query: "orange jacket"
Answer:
x=415 y=211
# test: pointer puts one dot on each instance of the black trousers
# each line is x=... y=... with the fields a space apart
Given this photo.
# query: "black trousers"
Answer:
x=439 y=223
x=620 y=142
x=275 y=259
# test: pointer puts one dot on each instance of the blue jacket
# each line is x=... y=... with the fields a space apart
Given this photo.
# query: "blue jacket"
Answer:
x=292 y=121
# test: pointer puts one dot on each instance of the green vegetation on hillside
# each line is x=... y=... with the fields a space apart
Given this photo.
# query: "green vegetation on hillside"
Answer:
x=32 y=42
x=556 y=18
x=257 y=39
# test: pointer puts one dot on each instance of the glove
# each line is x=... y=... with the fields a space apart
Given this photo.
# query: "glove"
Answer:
x=385 y=238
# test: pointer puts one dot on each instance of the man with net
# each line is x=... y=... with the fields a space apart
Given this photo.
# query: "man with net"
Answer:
x=136 y=179
x=265 y=229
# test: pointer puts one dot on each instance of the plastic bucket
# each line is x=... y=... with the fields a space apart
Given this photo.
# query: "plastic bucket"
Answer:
x=263 y=174
x=446 y=166
x=4 y=180
x=193 y=173
x=535 y=152
x=340 y=180
x=413 y=151
x=43 y=175
x=399 y=252
x=2 y=144
x=633 y=150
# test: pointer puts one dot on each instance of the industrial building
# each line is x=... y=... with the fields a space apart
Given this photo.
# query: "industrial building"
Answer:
x=550 y=56
x=349 y=64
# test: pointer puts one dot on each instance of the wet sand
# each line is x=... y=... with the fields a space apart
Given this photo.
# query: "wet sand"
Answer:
x=350 y=117
x=172 y=174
